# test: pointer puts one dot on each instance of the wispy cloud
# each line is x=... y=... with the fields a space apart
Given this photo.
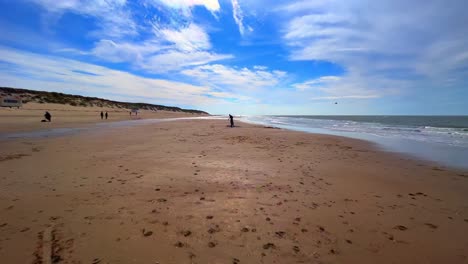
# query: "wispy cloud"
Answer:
x=211 y=5
x=34 y=71
x=238 y=16
x=318 y=82
x=382 y=45
x=167 y=50
x=239 y=78
x=115 y=20
x=349 y=87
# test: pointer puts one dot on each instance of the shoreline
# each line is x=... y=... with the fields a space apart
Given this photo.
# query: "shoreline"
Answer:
x=443 y=154
x=76 y=128
x=196 y=190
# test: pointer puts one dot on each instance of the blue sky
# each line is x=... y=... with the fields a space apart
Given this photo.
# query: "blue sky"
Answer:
x=244 y=57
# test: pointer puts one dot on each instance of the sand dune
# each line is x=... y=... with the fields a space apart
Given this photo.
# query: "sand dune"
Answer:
x=200 y=192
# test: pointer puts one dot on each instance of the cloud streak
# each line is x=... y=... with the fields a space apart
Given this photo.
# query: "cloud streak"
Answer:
x=238 y=16
x=239 y=78
x=30 y=70
x=382 y=45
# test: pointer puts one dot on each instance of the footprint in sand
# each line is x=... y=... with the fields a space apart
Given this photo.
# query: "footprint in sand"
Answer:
x=269 y=246
x=214 y=229
x=431 y=225
x=146 y=233
x=296 y=249
x=212 y=244
x=179 y=244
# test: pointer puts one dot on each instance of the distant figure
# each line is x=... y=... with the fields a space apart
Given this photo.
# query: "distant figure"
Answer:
x=102 y=115
x=231 y=119
x=48 y=116
x=106 y=115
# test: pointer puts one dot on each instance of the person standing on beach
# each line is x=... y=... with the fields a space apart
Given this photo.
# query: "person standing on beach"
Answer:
x=102 y=115
x=106 y=115
x=231 y=119
x=48 y=116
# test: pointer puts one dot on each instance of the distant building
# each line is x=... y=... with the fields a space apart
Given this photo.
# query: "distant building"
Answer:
x=10 y=101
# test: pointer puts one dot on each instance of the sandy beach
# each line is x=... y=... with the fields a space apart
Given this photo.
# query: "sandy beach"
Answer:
x=197 y=191
x=28 y=117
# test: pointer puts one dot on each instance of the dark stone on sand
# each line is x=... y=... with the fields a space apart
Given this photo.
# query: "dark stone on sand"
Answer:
x=321 y=228
x=209 y=217
x=162 y=200
x=235 y=261
x=186 y=233
x=267 y=219
x=157 y=189
x=304 y=230
x=349 y=241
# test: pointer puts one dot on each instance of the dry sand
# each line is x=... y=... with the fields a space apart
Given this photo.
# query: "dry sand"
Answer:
x=199 y=192
x=28 y=117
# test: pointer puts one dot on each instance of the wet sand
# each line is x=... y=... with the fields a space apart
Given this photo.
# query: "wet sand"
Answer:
x=197 y=191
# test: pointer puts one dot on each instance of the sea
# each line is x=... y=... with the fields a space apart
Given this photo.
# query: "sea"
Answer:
x=441 y=139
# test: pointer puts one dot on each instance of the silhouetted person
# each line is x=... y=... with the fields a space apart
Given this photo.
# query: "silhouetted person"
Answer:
x=106 y=115
x=48 y=116
x=102 y=115
x=231 y=119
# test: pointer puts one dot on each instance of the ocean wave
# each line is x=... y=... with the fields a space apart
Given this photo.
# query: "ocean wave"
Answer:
x=440 y=135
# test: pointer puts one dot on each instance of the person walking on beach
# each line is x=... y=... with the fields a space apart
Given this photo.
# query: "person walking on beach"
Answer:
x=102 y=115
x=231 y=119
x=106 y=115
x=48 y=116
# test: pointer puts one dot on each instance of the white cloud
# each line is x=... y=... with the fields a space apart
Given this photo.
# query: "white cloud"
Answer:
x=211 y=5
x=159 y=47
x=176 y=60
x=350 y=86
x=168 y=50
x=238 y=16
x=314 y=83
x=240 y=78
x=191 y=38
x=382 y=45
x=34 y=71
x=114 y=18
